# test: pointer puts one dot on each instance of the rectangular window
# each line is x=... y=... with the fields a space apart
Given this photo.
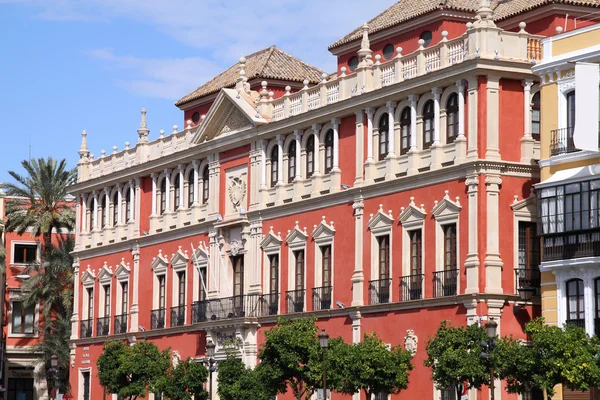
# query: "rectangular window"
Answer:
x=86 y=385
x=450 y=246
x=274 y=274
x=106 y=300
x=25 y=253
x=238 y=275
x=90 y=310
x=415 y=252
x=181 y=293
x=22 y=318
x=299 y=256
x=326 y=265
x=384 y=256
x=529 y=246
x=161 y=292
x=125 y=297
x=202 y=295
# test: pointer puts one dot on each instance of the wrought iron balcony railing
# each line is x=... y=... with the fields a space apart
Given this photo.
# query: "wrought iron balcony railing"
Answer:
x=580 y=322
x=199 y=311
x=120 y=324
x=295 y=301
x=177 y=316
x=411 y=287
x=85 y=328
x=561 y=141
x=322 y=298
x=157 y=318
x=570 y=245
x=102 y=326
x=445 y=283
x=270 y=304
x=248 y=305
x=379 y=291
x=528 y=278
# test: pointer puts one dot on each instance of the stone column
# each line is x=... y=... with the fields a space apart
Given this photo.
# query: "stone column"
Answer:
x=316 y=176
x=167 y=190
x=180 y=167
x=212 y=273
x=460 y=142
x=391 y=106
x=78 y=219
x=84 y=211
x=492 y=151
x=254 y=257
x=119 y=204
x=437 y=153
x=472 y=152
x=370 y=113
x=196 y=164
x=298 y=181
x=214 y=184
x=360 y=143
x=493 y=262
x=76 y=302
x=134 y=320
x=358 y=277
x=280 y=159
x=153 y=193
x=136 y=206
x=95 y=211
x=527 y=140
x=336 y=173
x=413 y=152
x=106 y=213
x=472 y=261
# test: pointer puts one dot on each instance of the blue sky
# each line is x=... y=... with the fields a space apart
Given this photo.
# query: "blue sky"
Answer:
x=70 y=65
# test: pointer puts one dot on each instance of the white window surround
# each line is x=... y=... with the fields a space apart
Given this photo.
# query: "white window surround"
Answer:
x=380 y=224
x=179 y=263
x=271 y=245
x=200 y=259
x=25 y=242
x=80 y=382
x=323 y=235
x=523 y=211
x=159 y=267
x=88 y=280
x=446 y=212
x=296 y=240
x=412 y=218
x=105 y=279
x=566 y=84
x=122 y=276
x=16 y=296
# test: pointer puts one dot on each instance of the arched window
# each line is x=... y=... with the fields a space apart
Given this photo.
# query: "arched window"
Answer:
x=353 y=63
x=405 y=123
x=428 y=115
x=177 y=193
x=384 y=129
x=328 y=151
x=310 y=155
x=163 y=196
x=205 y=187
x=452 y=118
x=102 y=211
x=127 y=203
x=191 y=188
x=116 y=205
x=575 y=311
x=291 y=161
x=274 y=165
x=535 y=116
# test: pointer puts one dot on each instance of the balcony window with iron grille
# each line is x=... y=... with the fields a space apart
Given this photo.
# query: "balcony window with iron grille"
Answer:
x=106 y=289
x=571 y=109
x=328 y=151
x=291 y=161
x=428 y=116
x=124 y=297
x=274 y=273
x=384 y=256
x=181 y=288
x=535 y=116
x=452 y=118
x=299 y=271
x=384 y=131
x=274 y=165
x=405 y=123
x=161 y=292
x=90 y=305
x=22 y=318
x=25 y=253
x=310 y=155
x=450 y=261
x=416 y=266
x=529 y=246
x=575 y=302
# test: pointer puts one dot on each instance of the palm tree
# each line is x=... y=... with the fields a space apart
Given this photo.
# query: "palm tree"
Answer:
x=40 y=203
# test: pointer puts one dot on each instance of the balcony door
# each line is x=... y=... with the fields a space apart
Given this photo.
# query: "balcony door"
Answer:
x=238 y=284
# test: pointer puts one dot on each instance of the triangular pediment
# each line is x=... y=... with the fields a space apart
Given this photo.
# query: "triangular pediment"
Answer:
x=122 y=270
x=526 y=207
x=105 y=274
x=271 y=240
x=180 y=258
x=446 y=207
x=88 y=277
x=200 y=256
x=230 y=113
x=412 y=213
x=159 y=263
x=296 y=235
x=323 y=230
x=380 y=219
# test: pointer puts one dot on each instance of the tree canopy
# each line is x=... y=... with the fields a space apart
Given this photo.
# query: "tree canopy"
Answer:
x=184 y=381
x=238 y=382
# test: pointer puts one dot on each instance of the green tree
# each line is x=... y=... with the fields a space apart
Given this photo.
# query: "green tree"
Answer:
x=238 y=382
x=566 y=356
x=40 y=204
x=453 y=355
x=132 y=371
x=368 y=366
x=184 y=381
x=291 y=357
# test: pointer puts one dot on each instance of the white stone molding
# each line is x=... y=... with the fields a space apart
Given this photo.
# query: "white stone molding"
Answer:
x=370 y=113
x=323 y=235
x=296 y=240
x=159 y=267
x=446 y=212
x=472 y=105
x=380 y=224
x=271 y=246
x=105 y=275
x=472 y=262
x=358 y=277
x=412 y=218
x=180 y=260
x=134 y=309
x=493 y=261
x=159 y=263
x=359 y=133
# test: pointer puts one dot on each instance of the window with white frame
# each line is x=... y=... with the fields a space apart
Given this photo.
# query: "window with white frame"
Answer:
x=323 y=236
x=25 y=253
x=447 y=239
x=296 y=241
x=380 y=283
x=575 y=292
x=159 y=301
x=122 y=298
x=412 y=219
x=22 y=318
x=271 y=246
x=200 y=284
x=179 y=263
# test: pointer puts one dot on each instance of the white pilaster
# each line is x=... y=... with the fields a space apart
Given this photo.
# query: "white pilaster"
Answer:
x=437 y=92
x=316 y=130
x=358 y=277
x=370 y=113
x=167 y=190
x=493 y=262
x=181 y=186
x=153 y=193
x=359 y=133
x=78 y=219
x=196 y=164
x=280 y=159
x=527 y=140
x=391 y=106
x=76 y=305
x=335 y=122
x=461 y=141
x=298 y=138
x=413 y=98
x=106 y=212
x=134 y=310
x=472 y=261
x=492 y=151
x=473 y=117
x=84 y=212
x=119 y=204
x=95 y=211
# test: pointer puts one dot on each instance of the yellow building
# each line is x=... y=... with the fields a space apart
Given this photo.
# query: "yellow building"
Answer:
x=568 y=196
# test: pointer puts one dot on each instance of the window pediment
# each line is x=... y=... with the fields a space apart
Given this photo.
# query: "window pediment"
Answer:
x=446 y=208
x=159 y=263
x=200 y=256
x=180 y=259
x=271 y=242
x=381 y=222
x=323 y=233
x=296 y=237
x=122 y=271
x=412 y=214
x=526 y=207
x=88 y=278
x=105 y=275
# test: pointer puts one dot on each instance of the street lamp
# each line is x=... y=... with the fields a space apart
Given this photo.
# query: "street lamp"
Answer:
x=488 y=346
x=324 y=342
x=53 y=371
x=22 y=277
x=210 y=352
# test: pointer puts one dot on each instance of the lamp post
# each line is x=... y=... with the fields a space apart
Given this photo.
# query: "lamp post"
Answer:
x=210 y=352
x=324 y=342
x=488 y=346
x=54 y=372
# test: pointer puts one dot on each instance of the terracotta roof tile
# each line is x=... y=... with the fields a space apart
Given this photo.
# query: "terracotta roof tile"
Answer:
x=269 y=63
x=405 y=10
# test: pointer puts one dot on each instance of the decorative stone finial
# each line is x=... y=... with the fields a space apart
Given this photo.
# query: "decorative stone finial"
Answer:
x=241 y=84
x=324 y=77
x=189 y=124
x=522 y=26
x=175 y=127
x=559 y=30
x=446 y=194
x=399 y=51
x=287 y=90
x=444 y=36
x=485 y=15
x=83 y=149
x=364 y=54
x=115 y=148
x=377 y=59
x=421 y=44
x=343 y=69
x=143 y=131
x=127 y=144
x=102 y=153
x=161 y=134
x=306 y=82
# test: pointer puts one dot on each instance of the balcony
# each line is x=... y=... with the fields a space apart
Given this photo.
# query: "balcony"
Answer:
x=295 y=301
x=157 y=318
x=102 y=326
x=379 y=291
x=411 y=287
x=576 y=322
x=322 y=298
x=85 y=328
x=120 y=324
x=445 y=283
x=561 y=141
x=177 y=316
x=248 y=305
x=571 y=245
x=528 y=278
x=270 y=304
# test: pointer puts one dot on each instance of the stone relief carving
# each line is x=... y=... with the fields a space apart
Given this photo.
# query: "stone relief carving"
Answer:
x=234 y=121
x=235 y=247
x=237 y=191
x=411 y=341
x=228 y=339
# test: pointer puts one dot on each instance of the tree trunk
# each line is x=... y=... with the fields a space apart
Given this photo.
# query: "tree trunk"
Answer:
x=47 y=237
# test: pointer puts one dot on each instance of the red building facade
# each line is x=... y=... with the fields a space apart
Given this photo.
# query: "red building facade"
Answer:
x=387 y=197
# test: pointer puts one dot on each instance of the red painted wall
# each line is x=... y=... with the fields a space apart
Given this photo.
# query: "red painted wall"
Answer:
x=511 y=119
